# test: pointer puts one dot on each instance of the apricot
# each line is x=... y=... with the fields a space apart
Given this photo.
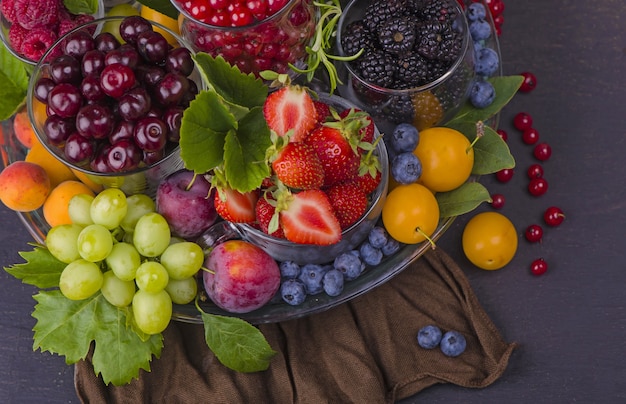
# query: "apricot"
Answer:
x=56 y=169
x=86 y=179
x=55 y=208
x=24 y=131
x=24 y=186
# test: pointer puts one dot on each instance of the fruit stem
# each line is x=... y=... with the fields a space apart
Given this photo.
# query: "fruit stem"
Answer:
x=193 y=179
x=480 y=132
x=427 y=237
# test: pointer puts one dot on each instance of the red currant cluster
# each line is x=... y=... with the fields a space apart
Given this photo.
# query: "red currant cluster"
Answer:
x=496 y=7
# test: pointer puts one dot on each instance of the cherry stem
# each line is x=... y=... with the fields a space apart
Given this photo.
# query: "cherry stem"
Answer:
x=480 y=132
x=427 y=237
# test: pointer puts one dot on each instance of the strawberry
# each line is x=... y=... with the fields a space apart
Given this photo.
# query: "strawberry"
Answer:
x=235 y=206
x=365 y=123
x=368 y=182
x=348 y=201
x=265 y=211
x=298 y=166
x=308 y=218
x=369 y=170
x=339 y=158
x=290 y=108
x=323 y=110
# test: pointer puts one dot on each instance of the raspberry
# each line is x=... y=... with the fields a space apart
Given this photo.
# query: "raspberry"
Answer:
x=7 y=7
x=32 y=14
x=65 y=26
x=16 y=36
x=37 y=42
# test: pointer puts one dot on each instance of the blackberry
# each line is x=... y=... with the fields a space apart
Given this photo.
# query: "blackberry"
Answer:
x=397 y=35
x=438 y=40
x=377 y=67
x=400 y=109
x=355 y=37
x=413 y=70
x=379 y=11
x=439 y=10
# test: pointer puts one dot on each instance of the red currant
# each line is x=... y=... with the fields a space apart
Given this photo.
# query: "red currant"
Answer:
x=497 y=201
x=522 y=121
x=496 y=7
x=542 y=151
x=534 y=233
x=504 y=175
x=529 y=83
x=535 y=171
x=502 y=133
x=553 y=216
x=538 y=186
x=530 y=136
x=538 y=267
x=498 y=21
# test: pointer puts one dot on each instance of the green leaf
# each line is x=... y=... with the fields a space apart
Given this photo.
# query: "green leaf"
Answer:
x=14 y=79
x=505 y=86
x=41 y=269
x=491 y=153
x=244 y=152
x=237 y=89
x=462 y=199
x=162 y=6
x=68 y=328
x=237 y=344
x=81 y=6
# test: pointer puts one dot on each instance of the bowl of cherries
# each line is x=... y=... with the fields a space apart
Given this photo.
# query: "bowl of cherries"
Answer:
x=109 y=104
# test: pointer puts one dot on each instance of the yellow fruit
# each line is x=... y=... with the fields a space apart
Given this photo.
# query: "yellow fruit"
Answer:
x=168 y=22
x=410 y=213
x=55 y=207
x=428 y=110
x=489 y=240
x=86 y=179
x=24 y=186
x=57 y=171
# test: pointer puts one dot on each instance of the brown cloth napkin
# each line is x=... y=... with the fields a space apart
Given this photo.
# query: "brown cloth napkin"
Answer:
x=363 y=351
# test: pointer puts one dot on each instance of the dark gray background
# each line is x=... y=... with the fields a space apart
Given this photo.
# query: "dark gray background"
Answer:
x=571 y=322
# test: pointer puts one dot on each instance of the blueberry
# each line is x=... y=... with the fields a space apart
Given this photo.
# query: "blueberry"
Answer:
x=429 y=336
x=369 y=254
x=311 y=276
x=378 y=237
x=482 y=94
x=293 y=292
x=404 y=138
x=333 y=282
x=487 y=62
x=391 y=247
x=476 y=11
x=453 y=343
x=480 y=30
x=289 y=270
x=349 y=264
x=406 y=168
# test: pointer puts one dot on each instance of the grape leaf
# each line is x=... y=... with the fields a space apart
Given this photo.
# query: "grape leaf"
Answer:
x=68 y=328
x=462 y=199
x=14 y=79
x=41 y=269
x=237 y=344
x=162 y=6
x=81 y=6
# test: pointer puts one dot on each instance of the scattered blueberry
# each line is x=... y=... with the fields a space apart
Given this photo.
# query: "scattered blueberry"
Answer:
x=453 y=343
x=404 y=138
x=289 y=270
x=293 y=292
x=487 y=62
x=391 y=247
x=482 y=94
x=333 y=282
x=378 y=237
x=476 y=11
x=349 y=264
x=429 y=336
x=369 y=254
x=311 y=276
x=406 y=168
x=480 y=30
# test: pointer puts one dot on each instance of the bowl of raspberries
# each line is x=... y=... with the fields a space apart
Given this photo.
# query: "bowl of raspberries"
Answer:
x=109 y=104
x=415 y=59
x=31 y=27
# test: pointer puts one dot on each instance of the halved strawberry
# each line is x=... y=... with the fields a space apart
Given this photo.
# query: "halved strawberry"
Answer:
x=298 y=166
x=235 y=206
x=308 y=218
x=339 y=157
x=290 y=108
x=348 y=201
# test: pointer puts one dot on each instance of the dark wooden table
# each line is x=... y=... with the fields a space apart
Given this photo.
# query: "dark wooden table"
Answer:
x=571 y=322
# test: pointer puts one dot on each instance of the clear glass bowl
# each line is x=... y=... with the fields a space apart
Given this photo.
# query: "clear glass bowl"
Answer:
x=6 y=26
x=425 y=105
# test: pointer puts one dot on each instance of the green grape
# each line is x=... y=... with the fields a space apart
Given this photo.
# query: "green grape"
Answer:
x=152 y=311
x=151 y=277
x=138 y=205
x=152 y=235
x=94 y=243
x=182 y=260
x=61 y=241
x=117 y=292
x=109 y=208
x=80 y=280
x=79 y=209
x=182 y=291
x=123 y=260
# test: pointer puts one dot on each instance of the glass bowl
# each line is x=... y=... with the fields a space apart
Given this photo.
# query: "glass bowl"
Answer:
x=427 y=93
x=49 y=35
x=142 y=177
x=268 y=44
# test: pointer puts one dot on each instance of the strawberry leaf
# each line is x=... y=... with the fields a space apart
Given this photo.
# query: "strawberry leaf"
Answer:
x=41 y=269
x=68 y=328
x=462 y=199
x=237 y=344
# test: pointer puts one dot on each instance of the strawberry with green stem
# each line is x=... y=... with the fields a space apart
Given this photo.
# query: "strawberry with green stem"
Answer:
x=295 y=164
x=290 y=109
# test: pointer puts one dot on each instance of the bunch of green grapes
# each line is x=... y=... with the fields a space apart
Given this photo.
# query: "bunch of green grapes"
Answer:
x=120 y=246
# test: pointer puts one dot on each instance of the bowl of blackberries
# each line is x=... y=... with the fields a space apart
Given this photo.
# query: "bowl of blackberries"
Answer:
x=109 y=104
x=412 y=60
